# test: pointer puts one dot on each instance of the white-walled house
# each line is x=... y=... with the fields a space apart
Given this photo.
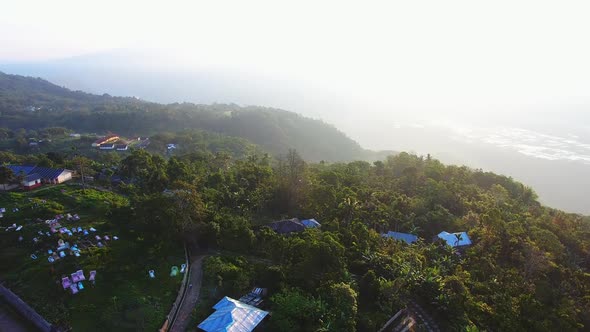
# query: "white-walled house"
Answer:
x=34 y=176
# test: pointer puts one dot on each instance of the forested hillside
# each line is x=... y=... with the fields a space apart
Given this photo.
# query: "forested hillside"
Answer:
x=527 y=268
x=33 y=103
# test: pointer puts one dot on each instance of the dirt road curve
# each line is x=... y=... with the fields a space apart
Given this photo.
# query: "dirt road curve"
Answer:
x=192 y=295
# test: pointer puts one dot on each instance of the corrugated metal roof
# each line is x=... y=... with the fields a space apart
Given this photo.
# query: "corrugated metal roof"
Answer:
x=455 y=239
x=310 y=223
x=287 y=226
x=48 y=173
x=16 y=169
x=233 y=316
x=406 y=237
x=44 y=172
x=32 y=177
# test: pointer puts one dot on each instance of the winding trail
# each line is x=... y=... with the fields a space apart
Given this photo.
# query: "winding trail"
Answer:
x=183 y=317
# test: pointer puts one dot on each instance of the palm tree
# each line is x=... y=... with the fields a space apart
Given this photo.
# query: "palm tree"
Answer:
x=349 y=206
x=459 y=237
x=415 y=229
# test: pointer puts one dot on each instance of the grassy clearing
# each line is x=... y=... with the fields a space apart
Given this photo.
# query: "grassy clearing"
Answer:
x=124 y=297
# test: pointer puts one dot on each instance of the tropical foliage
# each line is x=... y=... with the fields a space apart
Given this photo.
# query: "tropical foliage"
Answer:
x=526 y=270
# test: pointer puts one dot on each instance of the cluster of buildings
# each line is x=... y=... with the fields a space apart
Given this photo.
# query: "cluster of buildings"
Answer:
x=116 y=143
x=243 y=314
x=110 y=142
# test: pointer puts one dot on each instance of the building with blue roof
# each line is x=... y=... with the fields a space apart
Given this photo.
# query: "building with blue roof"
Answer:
x=34 y=176
x=31 y=181
x=233 y=316
x=21 y=170
x=293 y=225
x=310 y=223
x=455 y=240
x=406 y=237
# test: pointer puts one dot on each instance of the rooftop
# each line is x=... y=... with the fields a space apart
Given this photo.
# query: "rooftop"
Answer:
x=100 y=140
x=287 y=226
x=310 y=223
x=455 y=239
x=32 y=177
x=43 y=172
x=406 y=237
x=233 y=316
x=293 y=225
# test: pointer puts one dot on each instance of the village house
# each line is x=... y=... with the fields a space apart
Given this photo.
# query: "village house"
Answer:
x=31 y=181
x=105 y=140
x=406 y=237
x=34 y=176
x=121 y=147
x=293 y=225
x=233 y=315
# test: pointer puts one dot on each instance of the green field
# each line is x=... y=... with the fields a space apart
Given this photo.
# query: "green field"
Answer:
x=123 y=298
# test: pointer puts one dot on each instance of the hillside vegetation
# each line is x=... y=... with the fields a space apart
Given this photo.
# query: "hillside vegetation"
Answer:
x=527 y=268
x=124 y=298
x=276 y=131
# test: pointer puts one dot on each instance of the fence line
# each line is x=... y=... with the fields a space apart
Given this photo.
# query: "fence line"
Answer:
x=171 y=318
x=25 y=310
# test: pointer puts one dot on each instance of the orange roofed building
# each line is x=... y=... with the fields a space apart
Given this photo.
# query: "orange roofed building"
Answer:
x=107 y=139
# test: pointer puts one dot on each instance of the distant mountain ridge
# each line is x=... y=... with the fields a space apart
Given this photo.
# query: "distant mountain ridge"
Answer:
x=274 y=130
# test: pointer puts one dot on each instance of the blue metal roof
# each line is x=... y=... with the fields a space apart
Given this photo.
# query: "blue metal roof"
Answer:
x=455 y=239
x=233 y=316
x=25 y=170
x=48 y=173
x=310 y=223
x=44 y=172
x=287 y=226
x=407 y=238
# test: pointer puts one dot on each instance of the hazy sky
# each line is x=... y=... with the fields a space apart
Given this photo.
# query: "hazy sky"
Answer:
x=415 y=54
x=363 y=66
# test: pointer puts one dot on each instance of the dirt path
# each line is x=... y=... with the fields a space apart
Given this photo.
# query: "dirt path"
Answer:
x=192 y=295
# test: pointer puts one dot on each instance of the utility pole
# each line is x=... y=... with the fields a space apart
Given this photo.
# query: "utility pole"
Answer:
x=80 y=167
x=82 y=174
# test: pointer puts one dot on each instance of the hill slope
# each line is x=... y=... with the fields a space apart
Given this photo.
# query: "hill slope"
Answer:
x=276 y=131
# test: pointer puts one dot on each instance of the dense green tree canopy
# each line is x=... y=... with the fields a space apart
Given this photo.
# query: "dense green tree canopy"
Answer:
x=527 y=268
